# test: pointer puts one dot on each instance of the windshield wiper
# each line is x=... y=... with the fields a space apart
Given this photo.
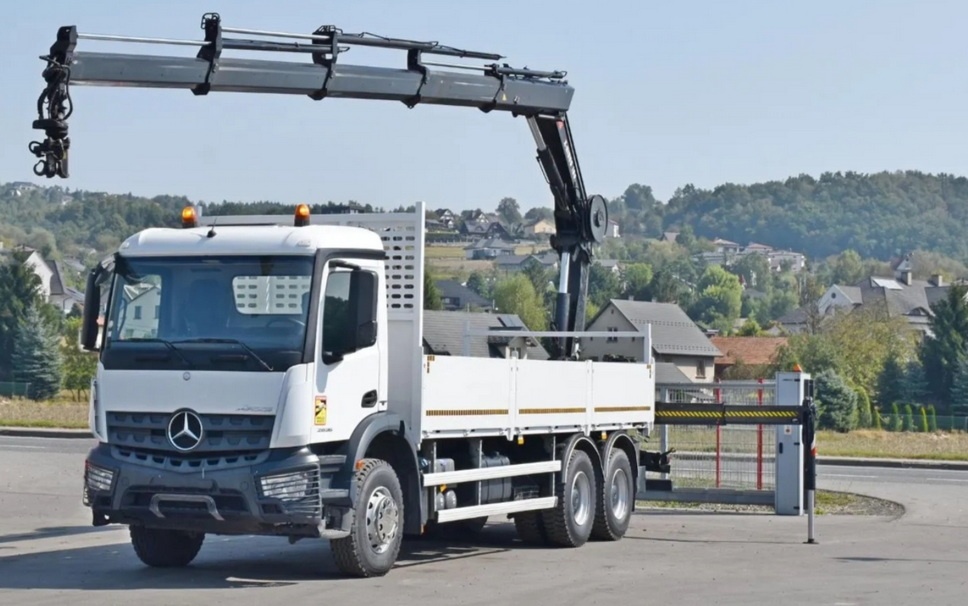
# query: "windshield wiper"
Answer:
x=167 y=344
x=233 y=341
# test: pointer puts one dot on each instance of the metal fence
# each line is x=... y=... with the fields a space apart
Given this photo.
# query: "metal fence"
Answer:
x=10 y=389
x=733 y=456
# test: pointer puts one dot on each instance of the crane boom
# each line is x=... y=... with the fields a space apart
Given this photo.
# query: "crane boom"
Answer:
x=542 y=97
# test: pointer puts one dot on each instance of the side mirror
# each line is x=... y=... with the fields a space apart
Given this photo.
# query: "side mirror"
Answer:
x=92 y=307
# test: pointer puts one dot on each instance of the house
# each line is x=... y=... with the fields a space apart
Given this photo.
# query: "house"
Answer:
x=515 y=263
x=444 y=335
x=676 y=339
x=485 y=230
x=726 y=247
x=456 y=296
x=541 y=226
x=612 y=231
x=53 y=286
x=754 y=353
x=488 y=248
x=446 y=218
x=901 y=295
x=669 y=236
x=612 y=265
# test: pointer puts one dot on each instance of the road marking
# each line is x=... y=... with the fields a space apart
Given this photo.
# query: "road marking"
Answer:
x=845 y=475
x=21 y=446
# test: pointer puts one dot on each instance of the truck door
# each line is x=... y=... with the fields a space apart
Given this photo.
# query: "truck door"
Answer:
x=348 y=352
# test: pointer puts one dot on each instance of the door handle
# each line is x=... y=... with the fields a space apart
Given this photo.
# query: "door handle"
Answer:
x=369 y=399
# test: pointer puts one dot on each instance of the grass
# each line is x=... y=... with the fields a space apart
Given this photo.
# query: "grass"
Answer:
x=62 y=413
x=861 y=443
x=947 y=446
x=827 y=502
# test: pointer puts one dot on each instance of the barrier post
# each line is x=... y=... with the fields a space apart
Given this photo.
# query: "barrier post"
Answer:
x=808 y=419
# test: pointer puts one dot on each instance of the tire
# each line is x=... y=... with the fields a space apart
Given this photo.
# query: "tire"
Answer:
x=615 y=498
x=530 y=528
x=165 y=548
x=570 y=523
x=372 y=547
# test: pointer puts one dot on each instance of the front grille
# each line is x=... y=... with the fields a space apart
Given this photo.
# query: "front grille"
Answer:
x=224 y=434
x=188 y=462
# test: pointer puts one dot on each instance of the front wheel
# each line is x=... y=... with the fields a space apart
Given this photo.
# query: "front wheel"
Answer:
x=373 y=544
x=165 y=548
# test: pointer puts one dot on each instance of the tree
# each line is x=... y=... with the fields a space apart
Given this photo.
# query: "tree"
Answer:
x=750 y=328
x=516 y=295
x=509 y=211
x=637 y=281
x=479 y=283
x=36 y=357
x=837 y=402
x=538 y=213
x=944 y=351
x=603 y=285
x=890 y=383
x=865 y=337
x=79 y=366
x=720 y=298
x=924 y=420
x=432 y=298
x=19 y=290
x=864 y=418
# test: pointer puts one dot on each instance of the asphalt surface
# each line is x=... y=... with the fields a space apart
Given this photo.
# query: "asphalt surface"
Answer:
x=49 y=554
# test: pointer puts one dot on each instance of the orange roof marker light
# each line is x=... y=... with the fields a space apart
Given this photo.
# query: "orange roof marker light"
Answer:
x=189 y=217
x=796 y=368
x=302 y=215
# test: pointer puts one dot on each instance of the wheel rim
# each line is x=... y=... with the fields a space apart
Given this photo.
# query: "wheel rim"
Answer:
x=382 y=519
x=619 y=494
x=580 y=498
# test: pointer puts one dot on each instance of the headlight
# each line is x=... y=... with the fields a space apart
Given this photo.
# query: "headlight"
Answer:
x=288 y=486
x=97 y=478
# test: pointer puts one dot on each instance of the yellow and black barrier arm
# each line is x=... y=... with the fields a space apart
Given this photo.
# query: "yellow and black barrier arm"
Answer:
x=671 y=413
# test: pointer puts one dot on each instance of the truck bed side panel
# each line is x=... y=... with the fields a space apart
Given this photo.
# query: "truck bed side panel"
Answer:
x=510 y=397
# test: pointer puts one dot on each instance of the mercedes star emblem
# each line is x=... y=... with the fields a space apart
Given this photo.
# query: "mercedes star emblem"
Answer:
x=185 y=430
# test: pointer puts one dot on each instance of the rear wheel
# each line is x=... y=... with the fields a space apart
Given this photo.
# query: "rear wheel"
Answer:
x=165 y=548
x=615 y=498
x=373 y=544
x=570 y=523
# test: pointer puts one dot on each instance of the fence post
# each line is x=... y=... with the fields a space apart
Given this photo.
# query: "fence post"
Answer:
x=719 y=439
x=759 y=440
x=664 y=435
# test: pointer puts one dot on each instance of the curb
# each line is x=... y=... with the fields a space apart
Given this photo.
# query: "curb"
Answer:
x=45 y=432
x=893 y=463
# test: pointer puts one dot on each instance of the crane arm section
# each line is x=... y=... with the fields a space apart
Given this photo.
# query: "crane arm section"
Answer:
x=542 y=97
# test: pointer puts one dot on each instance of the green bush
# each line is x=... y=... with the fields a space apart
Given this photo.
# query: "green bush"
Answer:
x=924 y=420
x=896 y=423
x=837 y=402
x=908 y=418
x=876 y=415
x=932 y=418
x=863 y=408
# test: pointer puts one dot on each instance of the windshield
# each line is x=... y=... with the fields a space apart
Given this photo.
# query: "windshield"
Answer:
x=224 y=313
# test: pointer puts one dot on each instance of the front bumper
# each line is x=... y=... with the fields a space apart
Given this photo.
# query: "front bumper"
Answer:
x=289 y=493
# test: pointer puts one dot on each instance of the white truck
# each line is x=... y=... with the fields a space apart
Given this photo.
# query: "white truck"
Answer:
x=267 y=375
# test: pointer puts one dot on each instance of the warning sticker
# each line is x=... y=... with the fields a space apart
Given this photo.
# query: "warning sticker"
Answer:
x=319 y=417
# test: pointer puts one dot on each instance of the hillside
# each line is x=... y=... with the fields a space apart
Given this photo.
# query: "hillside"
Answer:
x=879 y=215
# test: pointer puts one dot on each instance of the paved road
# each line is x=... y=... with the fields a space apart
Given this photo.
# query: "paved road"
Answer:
x=48 y=548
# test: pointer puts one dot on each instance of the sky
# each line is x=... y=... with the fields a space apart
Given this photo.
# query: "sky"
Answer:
x=666 y=94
